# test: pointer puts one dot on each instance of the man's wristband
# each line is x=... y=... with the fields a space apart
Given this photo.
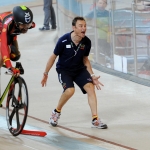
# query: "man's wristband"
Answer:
x=45 y=73
x=92 y=75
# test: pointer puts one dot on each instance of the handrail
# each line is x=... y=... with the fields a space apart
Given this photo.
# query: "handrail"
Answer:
x=135 y=22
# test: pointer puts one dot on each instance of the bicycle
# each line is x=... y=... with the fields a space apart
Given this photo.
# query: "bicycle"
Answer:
x=16 y=103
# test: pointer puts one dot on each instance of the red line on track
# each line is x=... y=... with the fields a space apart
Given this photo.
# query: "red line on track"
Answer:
x=81 y=133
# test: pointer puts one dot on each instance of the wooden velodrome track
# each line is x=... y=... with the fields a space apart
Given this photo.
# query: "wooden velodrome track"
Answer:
x=122 y=104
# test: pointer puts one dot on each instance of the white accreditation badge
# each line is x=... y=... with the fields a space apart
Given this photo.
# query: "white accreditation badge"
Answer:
x=68 y=46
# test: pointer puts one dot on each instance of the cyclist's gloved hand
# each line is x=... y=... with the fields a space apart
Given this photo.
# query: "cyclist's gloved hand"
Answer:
x=13 y=70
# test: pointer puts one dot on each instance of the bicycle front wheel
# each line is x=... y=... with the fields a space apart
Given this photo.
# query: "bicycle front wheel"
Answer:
x=17 y=106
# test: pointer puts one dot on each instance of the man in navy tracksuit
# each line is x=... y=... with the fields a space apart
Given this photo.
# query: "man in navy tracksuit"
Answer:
x=73 y=66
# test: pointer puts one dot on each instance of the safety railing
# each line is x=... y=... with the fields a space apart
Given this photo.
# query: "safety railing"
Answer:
x=120 y=34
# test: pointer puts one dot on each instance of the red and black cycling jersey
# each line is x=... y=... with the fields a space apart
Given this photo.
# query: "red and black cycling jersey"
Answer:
x=8 y=36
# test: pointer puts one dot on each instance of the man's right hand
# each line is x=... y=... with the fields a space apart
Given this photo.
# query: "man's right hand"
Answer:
x=14 y=71
x=44 y=80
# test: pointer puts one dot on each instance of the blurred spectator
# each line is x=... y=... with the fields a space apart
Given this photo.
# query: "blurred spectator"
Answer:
x=102 y=18
x=49 y=16
x=100 y=10
x=143 y=5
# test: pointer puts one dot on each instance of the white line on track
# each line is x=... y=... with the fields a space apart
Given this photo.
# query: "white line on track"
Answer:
x=29 y=147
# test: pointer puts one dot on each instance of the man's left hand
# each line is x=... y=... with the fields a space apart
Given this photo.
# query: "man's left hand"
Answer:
x=96 y=82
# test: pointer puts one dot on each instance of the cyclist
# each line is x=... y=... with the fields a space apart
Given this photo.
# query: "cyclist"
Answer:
x=12 y=24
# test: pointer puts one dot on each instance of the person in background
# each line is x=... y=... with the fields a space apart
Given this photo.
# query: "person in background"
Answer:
x=100 y=10
x=102 y=20
x=49 y=16
x=12 y=24
x=73 y=66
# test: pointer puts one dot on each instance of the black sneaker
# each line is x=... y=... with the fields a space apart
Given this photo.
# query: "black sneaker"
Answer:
x=44 y=28
x=53 y=28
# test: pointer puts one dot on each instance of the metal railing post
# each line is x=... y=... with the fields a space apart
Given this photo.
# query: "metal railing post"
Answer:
x=134 y=38
x=57 y=13
x=95 y=30
x=113 y=27
x=148 y=45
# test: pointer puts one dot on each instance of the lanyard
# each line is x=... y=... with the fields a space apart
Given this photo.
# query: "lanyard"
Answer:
x=74 y=50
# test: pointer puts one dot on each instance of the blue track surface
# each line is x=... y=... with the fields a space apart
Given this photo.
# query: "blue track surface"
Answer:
x=54 y=139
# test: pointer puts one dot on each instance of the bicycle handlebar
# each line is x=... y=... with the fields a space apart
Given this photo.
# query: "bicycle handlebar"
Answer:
x=18 y=66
